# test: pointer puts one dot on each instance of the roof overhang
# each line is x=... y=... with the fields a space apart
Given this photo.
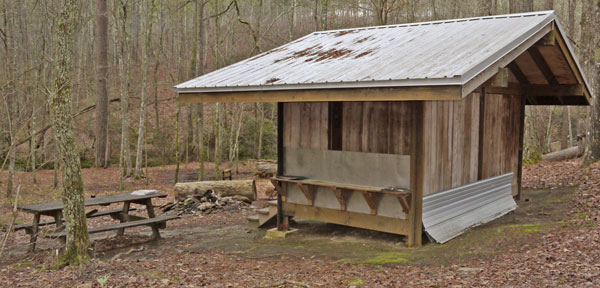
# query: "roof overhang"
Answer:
x=411 y=93
x=546 y=32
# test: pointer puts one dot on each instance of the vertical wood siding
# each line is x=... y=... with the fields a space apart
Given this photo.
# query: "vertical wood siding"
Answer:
x=501 y=136
x=450 y=146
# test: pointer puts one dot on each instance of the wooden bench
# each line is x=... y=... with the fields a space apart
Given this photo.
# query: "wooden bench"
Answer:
x=152 y=222
x=28 y=227
x=340 y=190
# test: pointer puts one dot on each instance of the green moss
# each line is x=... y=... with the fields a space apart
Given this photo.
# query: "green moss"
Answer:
x=387 y=258
x=525 y=228
x=356 y=282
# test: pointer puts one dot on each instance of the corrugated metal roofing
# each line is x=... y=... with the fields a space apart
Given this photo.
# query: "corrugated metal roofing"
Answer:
x=449 y=213
x=430 y=53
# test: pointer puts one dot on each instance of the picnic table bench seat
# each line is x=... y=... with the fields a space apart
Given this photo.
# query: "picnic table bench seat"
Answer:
x=28 y=227
x=152 y=222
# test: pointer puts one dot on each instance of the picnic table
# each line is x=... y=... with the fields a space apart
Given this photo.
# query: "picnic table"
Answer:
x=55 y=209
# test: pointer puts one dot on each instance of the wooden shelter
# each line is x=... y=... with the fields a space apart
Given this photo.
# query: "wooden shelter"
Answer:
x=403 y=127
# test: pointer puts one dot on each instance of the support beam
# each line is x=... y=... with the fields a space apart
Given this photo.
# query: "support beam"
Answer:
x=417 y=93
x=308 y=193
x=282 y=221
x=417 y=170
x=576 y=90
x=541 y=63
x=341 y=195
x=371 y=199
x=514 y=68
x=405 y=203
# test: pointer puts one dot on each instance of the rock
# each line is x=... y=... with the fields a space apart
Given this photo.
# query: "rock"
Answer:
x=241 y=199
x=205 y=206
x=189 y=202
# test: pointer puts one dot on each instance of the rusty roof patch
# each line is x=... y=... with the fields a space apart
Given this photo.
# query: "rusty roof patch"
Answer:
x=361 y=40
x=272 y=80
x=332 y=54
x=342 y=33
x=363 y=54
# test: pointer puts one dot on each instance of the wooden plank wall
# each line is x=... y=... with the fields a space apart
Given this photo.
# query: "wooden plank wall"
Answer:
x=305 y=125
x=450 y=146
x=501 y=136
x=378 y=127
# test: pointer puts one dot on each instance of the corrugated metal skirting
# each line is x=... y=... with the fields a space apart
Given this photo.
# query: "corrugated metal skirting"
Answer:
x=449 y=213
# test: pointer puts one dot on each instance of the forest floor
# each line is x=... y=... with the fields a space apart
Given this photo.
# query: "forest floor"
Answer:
x=552 y=239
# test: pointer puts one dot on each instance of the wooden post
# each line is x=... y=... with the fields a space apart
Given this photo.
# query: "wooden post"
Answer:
x=481 y=129
x=416 y=177
x=124 y=218
x=34 y=231
x=58 y=222
x=521 y=136
x=150 y=208
x=282 y=224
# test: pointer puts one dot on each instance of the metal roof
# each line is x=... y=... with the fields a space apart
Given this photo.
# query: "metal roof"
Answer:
x=449 y=52
x=449 y=213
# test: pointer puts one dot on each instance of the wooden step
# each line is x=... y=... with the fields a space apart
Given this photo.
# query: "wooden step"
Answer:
x=264 y=211
x=253 y=221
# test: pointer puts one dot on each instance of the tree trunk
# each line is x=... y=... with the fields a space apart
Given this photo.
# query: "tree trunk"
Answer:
x=591 y=41
x=147 y=26
x=564 y=129
x=217 y=141
x=77 y=242
x=222 y=188
x=101 y=89
x=124 y=159
x=177 y=143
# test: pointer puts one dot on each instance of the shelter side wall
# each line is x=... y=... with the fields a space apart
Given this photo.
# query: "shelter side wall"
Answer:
x=453 y=152
x=373 y=128
x=450 y=143
x=501 y=132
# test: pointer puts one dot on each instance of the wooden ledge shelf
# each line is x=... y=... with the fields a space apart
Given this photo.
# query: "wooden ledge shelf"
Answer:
x=340 y=190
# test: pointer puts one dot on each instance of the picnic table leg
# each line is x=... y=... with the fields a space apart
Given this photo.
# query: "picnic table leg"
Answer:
x=34 y=231
x=124 y=217
x=150 y=208
x=59 y=225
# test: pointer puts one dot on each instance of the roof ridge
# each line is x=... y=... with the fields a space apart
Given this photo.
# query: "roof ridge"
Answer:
x=514 y=15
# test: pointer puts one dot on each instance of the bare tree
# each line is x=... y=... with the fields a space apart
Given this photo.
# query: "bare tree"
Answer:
x=77 y=241
x=591 y=40
x=147 y=26
x=101 y=78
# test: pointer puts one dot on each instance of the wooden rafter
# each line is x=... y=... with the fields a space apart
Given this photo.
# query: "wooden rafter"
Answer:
x=541 y=63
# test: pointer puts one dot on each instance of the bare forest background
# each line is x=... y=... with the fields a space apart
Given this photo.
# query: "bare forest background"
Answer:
x=130 y=53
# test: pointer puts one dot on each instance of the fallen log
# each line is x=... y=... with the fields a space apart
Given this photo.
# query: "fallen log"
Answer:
x=266 y=169
x=244 y=188
x=565 y=154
